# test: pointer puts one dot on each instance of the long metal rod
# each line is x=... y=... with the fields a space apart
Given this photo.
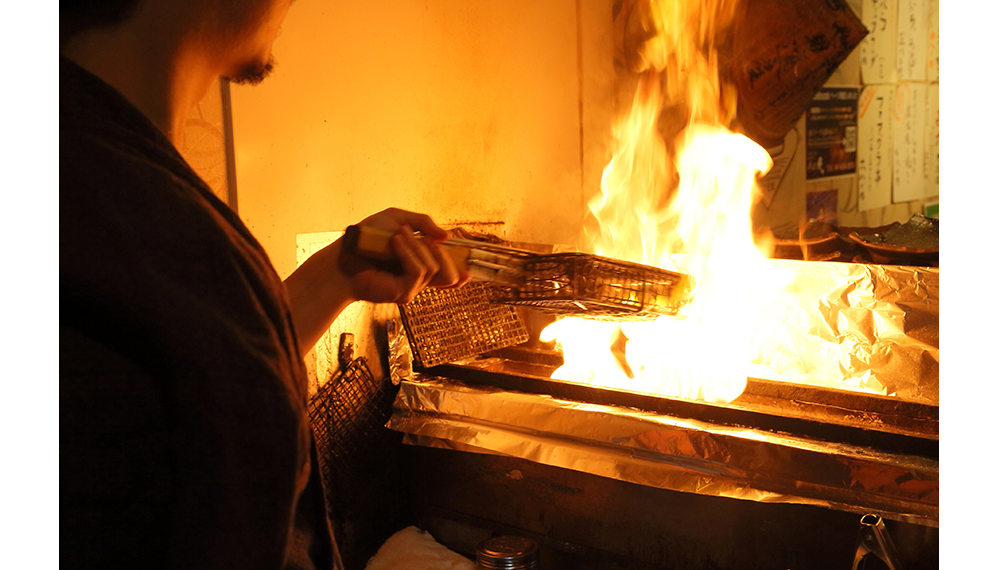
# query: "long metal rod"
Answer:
x=488 y=246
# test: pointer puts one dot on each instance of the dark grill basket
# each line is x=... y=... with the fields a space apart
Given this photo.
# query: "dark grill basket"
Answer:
x=593 y=286
x=359 y=460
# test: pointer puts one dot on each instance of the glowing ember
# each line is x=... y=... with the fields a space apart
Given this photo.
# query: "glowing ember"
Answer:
x=689 y=212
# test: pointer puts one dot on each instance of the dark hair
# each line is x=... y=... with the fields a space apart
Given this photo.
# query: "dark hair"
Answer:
x=76 y=16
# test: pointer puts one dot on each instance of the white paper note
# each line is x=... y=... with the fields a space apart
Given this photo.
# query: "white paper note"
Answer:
x=933 y=30
x=911 y=33
x=875 y=147
x=324 y=353
x=909 y=132
x=878 y=49
x=932 y=143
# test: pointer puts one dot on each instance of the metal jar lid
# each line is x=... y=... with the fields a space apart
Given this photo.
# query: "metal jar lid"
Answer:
x=508 y=553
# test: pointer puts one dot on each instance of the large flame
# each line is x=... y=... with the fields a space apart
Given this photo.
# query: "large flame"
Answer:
x=683 y=205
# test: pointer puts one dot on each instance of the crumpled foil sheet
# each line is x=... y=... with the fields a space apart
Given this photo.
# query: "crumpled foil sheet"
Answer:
x=400 y=352
x=666 y=452
x=863 y=327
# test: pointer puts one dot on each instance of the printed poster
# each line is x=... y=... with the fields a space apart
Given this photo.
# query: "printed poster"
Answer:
x=832 y=133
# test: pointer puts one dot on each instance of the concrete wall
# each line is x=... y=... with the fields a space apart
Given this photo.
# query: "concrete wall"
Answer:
x=468 y=111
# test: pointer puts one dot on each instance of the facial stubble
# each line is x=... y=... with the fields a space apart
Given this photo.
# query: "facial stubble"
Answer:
x=253 y=73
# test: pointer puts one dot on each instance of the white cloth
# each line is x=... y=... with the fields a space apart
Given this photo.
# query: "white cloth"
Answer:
x=414 y=549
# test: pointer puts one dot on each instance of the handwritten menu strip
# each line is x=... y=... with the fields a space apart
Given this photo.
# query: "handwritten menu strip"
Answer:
x=911 y=50
x=932 y=143
x=878 y=49
x=875 y=146
x=933 y=30
x=909 y=118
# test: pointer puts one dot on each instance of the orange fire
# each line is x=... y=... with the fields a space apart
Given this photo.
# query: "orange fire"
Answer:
x=683 y=205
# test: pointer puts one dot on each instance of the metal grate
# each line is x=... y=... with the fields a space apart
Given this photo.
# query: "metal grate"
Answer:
x=594 y=286
x=446 y=325
x=358 y=459
x=348 y=415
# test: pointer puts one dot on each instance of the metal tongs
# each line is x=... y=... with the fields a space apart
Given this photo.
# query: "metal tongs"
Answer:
x=561 y=283
x=484 y=261
x=489 y=262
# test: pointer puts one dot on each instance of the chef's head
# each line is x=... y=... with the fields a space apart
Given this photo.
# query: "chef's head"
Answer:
x=233 y=35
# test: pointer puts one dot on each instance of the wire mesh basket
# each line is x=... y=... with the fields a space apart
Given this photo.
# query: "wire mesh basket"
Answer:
x=359 y=459
x=446 y=325
x=594 y=286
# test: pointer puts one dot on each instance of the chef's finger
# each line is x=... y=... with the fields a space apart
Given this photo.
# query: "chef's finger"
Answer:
x=421 y=223
x=448 y=274
x=418 y=264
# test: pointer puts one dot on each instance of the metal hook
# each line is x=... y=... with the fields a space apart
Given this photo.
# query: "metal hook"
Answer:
x=345 y=354
x=873 y=539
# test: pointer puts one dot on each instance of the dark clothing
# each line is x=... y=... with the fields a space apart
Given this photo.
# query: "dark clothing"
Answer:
x=184 y=429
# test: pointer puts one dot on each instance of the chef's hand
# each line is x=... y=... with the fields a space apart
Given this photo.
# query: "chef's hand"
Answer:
x=331 y=279
x=423 y=262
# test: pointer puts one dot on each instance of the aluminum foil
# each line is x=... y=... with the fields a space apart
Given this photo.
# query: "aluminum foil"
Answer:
x=666 y=452
x=863 y=327
x=400 y=352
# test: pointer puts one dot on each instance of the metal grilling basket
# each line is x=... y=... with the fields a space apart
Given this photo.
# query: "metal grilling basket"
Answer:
x=445 y=325
x=593 y=286
x=358 y=459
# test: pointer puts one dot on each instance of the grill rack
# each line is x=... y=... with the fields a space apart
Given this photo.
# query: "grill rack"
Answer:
x=358 y=459
x=445 y=325
x=593 y=286
x=348 y=414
